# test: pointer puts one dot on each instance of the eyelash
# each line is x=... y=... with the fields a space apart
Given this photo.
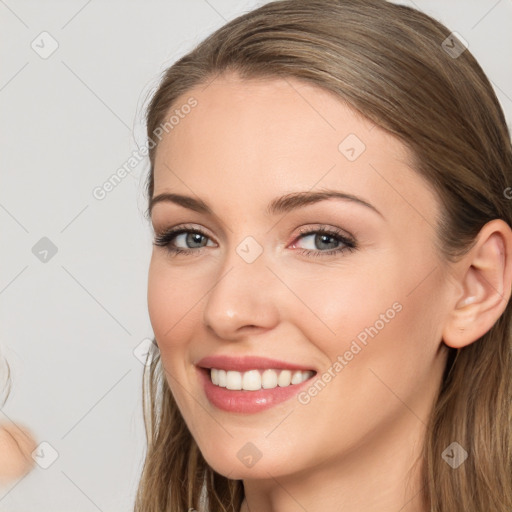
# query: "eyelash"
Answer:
x=164 y=240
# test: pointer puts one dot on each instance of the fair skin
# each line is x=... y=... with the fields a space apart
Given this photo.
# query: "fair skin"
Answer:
x=16 y=445
x=355 y=446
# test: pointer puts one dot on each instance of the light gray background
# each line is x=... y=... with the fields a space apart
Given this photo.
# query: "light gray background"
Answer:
x=68 y=122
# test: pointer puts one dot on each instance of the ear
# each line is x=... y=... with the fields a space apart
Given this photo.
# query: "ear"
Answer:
x=485 y=286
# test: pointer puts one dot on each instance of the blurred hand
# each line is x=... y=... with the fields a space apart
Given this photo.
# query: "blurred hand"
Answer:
x=16 y=446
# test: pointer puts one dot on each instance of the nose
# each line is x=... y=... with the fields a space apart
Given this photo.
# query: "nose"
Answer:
x=243 y=299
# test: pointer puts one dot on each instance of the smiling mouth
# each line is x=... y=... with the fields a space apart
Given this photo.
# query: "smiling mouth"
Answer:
x=255 y=380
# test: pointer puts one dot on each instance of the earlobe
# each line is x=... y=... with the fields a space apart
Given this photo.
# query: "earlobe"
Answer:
x=486 y=286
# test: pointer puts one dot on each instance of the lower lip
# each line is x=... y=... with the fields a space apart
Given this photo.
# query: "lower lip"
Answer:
x=247 y=401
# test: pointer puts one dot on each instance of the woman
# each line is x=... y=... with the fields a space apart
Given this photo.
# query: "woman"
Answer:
x=369 y=374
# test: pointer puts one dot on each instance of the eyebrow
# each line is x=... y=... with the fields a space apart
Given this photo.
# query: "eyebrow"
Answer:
x=283 y=204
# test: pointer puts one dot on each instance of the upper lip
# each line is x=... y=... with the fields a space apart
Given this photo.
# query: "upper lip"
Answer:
x=245 y=363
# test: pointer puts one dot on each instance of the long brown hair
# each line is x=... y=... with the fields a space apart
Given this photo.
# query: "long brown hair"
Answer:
x=397 y=67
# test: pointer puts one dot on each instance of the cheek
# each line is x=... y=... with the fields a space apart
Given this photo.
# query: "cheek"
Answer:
x=336 y=306
x=170 y=303
x=380 y=355
x=159 y=297
x=378 y=316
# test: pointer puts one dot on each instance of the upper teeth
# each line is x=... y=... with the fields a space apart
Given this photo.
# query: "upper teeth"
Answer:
x=254 y=380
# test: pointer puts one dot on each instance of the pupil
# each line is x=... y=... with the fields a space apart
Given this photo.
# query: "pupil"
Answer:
x=323 y=238
x=196 y=237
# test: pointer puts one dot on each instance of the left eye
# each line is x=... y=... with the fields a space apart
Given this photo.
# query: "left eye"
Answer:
x=321 y=240
x=325 y=236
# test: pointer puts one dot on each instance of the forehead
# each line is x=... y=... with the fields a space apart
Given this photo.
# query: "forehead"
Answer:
x=260 y=137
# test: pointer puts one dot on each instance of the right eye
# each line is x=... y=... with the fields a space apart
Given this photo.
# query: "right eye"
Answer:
x=181 y=235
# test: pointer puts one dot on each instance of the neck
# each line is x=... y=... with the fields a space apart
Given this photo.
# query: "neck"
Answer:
x=383 y=475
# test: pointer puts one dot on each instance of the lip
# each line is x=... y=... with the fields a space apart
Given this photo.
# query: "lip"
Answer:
x=241 y=401
x=246 y=363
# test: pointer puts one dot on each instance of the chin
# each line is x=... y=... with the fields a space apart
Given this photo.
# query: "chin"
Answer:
x=243 y=460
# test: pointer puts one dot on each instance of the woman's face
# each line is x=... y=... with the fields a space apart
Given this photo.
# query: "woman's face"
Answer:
x=351 y=292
